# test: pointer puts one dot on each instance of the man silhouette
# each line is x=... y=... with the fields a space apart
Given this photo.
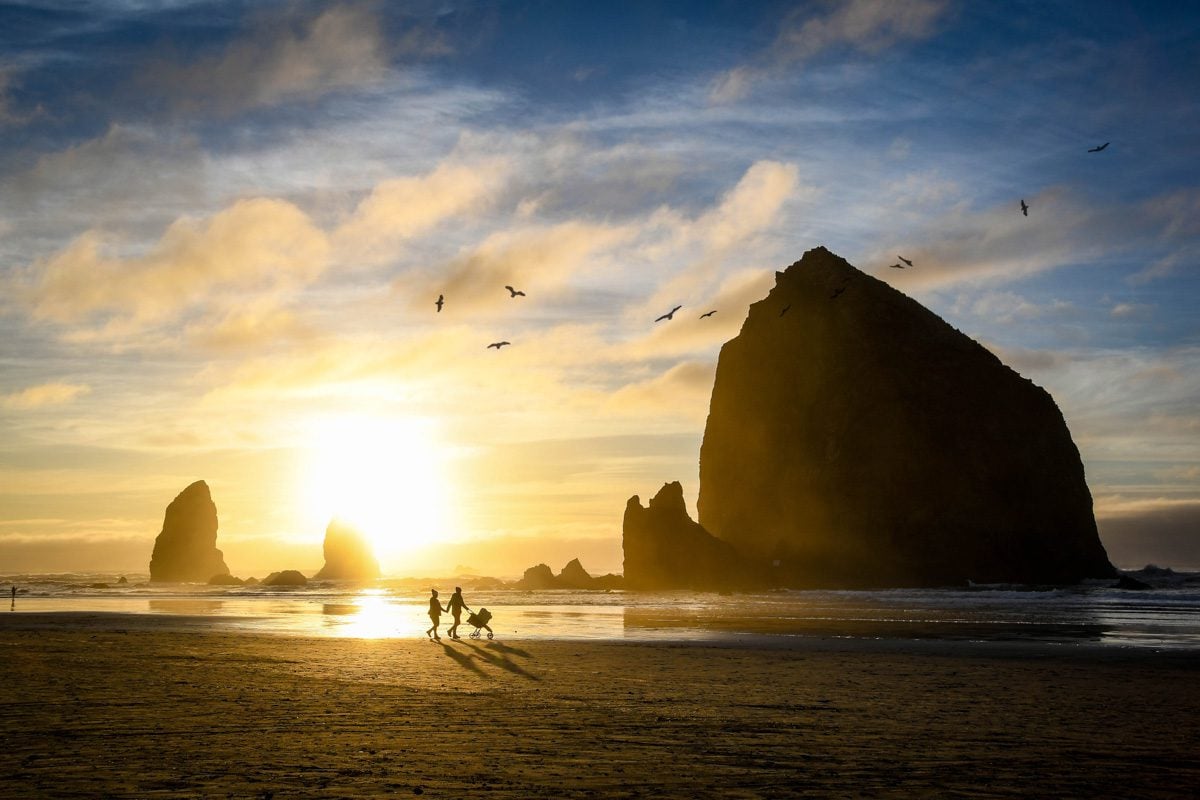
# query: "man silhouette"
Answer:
x=456 y=606
x=435 y=615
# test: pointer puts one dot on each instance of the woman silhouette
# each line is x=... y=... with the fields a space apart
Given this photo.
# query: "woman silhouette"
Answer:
x=435 y=614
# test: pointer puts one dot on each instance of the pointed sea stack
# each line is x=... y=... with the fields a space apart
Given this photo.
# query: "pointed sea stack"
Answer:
x=186 y=549
x=860 y=440
x=348 y=555
x=666 y=549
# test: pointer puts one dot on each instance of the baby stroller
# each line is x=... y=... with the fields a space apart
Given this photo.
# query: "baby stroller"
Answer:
x=480 y=619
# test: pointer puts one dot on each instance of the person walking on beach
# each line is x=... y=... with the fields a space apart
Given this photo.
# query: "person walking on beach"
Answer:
x=14 y=599
x=456 y=606
x=435 y=614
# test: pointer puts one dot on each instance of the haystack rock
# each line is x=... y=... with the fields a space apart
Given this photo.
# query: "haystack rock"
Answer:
x=536 y=578
x=348 y=555
x=856 y=439
x=186 y=549
x=666 y=549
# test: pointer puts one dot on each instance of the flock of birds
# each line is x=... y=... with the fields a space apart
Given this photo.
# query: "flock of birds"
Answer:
x=904 y=263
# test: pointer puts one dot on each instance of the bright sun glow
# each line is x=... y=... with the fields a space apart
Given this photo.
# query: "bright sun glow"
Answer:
x=386 y=477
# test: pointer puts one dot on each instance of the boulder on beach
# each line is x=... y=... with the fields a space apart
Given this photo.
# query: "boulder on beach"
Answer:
x=348 y=555
x=186 y=548
x=854 y=438
x=225 y=580
x=287 y=577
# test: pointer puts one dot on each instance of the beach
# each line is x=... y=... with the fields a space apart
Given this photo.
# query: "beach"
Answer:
x=122 y=705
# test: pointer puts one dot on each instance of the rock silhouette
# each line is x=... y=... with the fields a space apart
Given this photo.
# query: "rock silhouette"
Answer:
x=666 y=549
x=538 y=577
x=287 y=577
x=186 y=548
x=348 y=555
x=572 y=576
x=866 y=442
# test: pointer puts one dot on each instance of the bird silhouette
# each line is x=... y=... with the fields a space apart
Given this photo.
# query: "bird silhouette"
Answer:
x=895 y=266
x=784 y=310
x=514 y=292
x=907 y=263
x=709 y=314
x=837 y=292
x=1024 y=207
x=1098 y=149
x=497 y=345
x=669 y=315
x=440 y=302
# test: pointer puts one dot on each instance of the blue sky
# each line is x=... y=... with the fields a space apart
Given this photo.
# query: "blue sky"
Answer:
x=222 y=226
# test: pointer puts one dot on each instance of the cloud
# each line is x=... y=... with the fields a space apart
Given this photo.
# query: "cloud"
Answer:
x=538 y=259
x=401 y=208
x=286 y=59
x=684 y=389
x=46 y=394
x=869 y=26
x=252 y=245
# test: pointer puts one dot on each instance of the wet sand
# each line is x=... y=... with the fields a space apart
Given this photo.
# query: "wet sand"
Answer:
x=125 y=706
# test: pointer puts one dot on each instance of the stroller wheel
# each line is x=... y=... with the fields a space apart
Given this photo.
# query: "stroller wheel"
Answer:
x=489 y=634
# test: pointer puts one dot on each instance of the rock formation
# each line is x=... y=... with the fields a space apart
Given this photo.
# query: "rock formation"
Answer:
x=186 y=549
x=856 y=439
x=666 y=549
x=572 y=576
x=348 y=555
x=287 y=577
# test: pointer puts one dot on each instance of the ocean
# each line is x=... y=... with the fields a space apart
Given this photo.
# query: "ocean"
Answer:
x=1165 y=616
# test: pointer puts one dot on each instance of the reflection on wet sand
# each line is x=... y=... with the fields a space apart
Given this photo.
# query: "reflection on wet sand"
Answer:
x=859 y=623
x=186 y=607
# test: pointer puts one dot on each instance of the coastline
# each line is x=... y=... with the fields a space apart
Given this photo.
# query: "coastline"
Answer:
x=142 y=705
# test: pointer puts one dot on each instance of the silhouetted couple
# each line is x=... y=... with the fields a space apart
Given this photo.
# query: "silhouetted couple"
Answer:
x=457 y=604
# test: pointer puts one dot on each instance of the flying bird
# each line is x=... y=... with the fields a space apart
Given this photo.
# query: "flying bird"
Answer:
x=669 y=315
x=895 y=266
x=709 y=314
x=784 y=310
x=905 y=260
x=497 y=345
x=514 y=292
x=440 y=302
x=837 y=292
x=1024 y=207
x=1098 y=149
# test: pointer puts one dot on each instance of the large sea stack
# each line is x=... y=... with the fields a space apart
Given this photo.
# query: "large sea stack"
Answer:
x=186 y=549
x=856 y=439
x=348 y=555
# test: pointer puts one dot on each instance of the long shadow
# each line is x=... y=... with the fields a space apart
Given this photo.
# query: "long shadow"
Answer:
x=463 y=660
x=481 y=652
x=503 y=648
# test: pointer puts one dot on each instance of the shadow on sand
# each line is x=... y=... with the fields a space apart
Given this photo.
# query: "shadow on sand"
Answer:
x=491 y=653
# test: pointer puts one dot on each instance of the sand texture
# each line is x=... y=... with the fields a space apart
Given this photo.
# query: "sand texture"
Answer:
x=142 y=710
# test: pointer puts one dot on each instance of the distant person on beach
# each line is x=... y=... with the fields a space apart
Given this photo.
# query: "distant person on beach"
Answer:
x=14 y=598
x=456 y=606
x=435 y=614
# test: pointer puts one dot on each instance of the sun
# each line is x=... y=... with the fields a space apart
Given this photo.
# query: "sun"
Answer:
x=384 y=476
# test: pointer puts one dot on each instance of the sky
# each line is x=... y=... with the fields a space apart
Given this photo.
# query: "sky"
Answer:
x=223 y=227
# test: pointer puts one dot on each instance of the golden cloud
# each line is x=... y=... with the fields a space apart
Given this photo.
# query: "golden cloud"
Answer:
x=46 y=394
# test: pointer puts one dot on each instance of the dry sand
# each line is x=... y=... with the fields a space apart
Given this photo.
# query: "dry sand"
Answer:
x=138 y=707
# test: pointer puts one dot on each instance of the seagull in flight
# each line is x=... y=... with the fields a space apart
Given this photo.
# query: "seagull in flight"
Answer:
x=1024 y=207
x=837 y=292
x=895 y=266
x=669 y=315
x=709 y=314
x=785 y=309
x=1098 y=149
x=514 y=292
x=497 y=345
x=905 y=260
x=440 y=302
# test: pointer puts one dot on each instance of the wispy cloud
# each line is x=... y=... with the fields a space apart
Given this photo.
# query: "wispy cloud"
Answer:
x=868 y=26
x=46 y=394
x=282 y=59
